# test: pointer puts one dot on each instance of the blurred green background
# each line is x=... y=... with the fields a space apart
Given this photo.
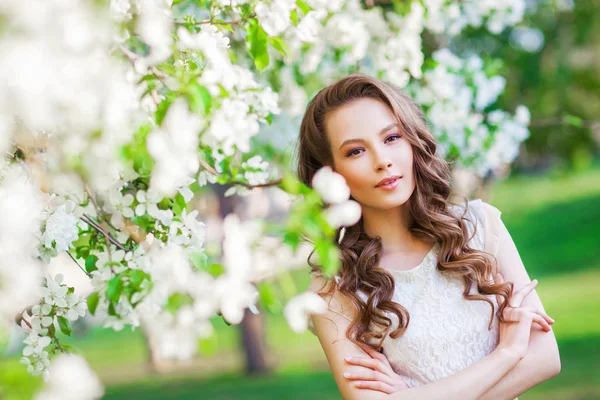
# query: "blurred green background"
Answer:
x=555 y=222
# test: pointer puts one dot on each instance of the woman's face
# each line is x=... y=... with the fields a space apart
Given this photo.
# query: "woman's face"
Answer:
x=367 y=146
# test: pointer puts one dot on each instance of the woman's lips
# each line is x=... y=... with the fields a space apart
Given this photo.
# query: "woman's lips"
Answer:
x=390 y=185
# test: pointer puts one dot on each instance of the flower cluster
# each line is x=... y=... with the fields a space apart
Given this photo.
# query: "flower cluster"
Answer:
x=456 y=94
x=55 y=311
x=333 y=189
x=60 y=228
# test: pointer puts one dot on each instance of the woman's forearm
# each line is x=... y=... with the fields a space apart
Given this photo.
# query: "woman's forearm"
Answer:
x=469 y=383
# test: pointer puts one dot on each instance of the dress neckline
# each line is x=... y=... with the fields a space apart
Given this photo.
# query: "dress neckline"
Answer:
x=426 y=260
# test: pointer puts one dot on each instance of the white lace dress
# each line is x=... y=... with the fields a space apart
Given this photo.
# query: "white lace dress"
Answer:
x=446 y=332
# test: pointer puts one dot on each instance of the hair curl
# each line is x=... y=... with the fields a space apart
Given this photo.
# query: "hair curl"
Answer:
x=429 y=206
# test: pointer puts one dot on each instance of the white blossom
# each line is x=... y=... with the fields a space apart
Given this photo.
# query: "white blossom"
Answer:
x=298 y=310
x=71 y=378
x=343 y=214
x=331 y=186
x=274 y=17
x=174 y=147
x=60 y=230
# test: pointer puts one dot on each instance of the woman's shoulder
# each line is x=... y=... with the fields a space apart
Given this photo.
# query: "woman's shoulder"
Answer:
x=339 y=307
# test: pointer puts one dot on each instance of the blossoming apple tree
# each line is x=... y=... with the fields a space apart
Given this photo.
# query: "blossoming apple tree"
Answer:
x=113 y=115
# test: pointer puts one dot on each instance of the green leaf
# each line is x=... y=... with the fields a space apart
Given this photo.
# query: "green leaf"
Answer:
x=65 y=325
x=176 y=301
x=137 y=153
x=292 y=239
x=92 y=302
x=180 y=204
x=303 y=6
x=256 y=41
x=137 y=277
x=227 y=26
x=162 y=108
x=311 y=229
x=573 y=120
x=83 y=240
x=402 y=7
x=199 y=260
x=112 y=310
x=329 y=257
x=215 y=269
x=294 y=17
x=71 y=290
x=268 y=297
x=199 y=98
x=115 y=288
x=68 y=348
x=290 y=183
x=279 y=45
x=90 y=263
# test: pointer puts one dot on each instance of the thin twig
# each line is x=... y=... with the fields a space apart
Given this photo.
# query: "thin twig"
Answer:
x=88 y=220
x=133 y=58
x=210 y=21
x=62 y=349
x=207 y=167
x=260 y=185
x=154 y=96
x=210 y=169
x=75 y=261
x=91 y=222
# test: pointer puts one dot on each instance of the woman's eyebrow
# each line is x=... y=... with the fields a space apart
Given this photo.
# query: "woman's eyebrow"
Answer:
x=358 y=140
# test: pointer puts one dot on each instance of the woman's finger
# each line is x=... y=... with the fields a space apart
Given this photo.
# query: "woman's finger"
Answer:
x=541 y=321
x=517 y=298
x=367 y=375
x=367 y=362
x=375 y=385
x=374 y=353
x=540 y=312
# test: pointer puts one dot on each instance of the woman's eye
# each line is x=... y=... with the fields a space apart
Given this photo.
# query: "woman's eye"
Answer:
x=393 y=136
x=354 y=152
x=351 y=153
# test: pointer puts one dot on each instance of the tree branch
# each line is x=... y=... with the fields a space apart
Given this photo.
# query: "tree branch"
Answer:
x=210 y=169
x=212 y=22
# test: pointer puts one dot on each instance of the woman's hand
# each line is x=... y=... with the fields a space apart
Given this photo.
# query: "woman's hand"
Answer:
x=514 y=333
x=376 y=373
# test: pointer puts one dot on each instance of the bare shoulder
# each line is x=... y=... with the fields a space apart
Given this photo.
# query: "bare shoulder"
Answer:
x=339 y=305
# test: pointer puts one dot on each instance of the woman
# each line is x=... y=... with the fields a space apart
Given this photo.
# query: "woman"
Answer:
x=418 y=309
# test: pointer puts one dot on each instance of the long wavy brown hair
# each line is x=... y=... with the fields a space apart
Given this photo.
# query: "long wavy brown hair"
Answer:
x=429 y=206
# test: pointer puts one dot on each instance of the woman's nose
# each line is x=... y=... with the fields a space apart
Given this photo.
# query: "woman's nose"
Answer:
x=382 y=162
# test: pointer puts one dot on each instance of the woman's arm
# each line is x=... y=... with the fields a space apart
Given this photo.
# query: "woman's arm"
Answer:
x=542 y=360
x=330 y=328
x=470 y=383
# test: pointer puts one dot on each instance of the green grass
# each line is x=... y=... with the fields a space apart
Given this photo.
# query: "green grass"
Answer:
x=555 y=222
x=557 y=238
